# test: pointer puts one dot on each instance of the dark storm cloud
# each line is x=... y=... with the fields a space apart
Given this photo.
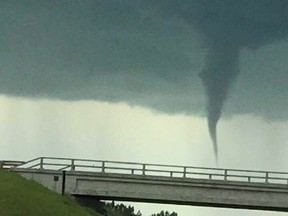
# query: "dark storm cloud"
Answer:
x=149 y=53
x=99 y=50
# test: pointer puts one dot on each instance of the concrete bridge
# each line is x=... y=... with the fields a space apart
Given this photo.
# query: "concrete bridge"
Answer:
x=155 y=183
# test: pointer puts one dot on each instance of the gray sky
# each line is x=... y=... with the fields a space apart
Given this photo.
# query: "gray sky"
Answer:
x=120 y=81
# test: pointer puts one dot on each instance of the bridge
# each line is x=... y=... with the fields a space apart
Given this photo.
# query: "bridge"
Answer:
x=155 y=183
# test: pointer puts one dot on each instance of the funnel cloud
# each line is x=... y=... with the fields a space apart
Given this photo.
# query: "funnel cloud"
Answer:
x=229 y=26
x=217 y=77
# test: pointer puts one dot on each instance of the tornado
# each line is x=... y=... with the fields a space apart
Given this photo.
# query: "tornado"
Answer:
x=227 y=27
x=220 y=71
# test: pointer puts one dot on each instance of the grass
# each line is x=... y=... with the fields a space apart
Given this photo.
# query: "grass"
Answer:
x=20 y=197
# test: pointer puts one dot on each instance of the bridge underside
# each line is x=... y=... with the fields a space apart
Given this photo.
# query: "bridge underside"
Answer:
x=92 y=199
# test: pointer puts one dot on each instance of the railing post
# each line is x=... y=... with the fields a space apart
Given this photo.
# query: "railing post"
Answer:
x=184 y=172
x=63 y=182
x=210 y=176
x=225 y=174
x=143 y=169
x=41 y=162
x=267 y=177
x=103 y=166
x=72 y=165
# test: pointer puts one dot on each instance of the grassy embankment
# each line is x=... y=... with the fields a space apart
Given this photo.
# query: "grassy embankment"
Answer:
x=21 y=197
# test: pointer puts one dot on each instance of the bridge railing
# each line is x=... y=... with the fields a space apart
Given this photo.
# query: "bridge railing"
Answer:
x=6 y=164
x=146 y=169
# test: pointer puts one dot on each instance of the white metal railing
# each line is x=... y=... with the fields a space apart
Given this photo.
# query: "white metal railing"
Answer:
x=6 y=164
x=53 y=163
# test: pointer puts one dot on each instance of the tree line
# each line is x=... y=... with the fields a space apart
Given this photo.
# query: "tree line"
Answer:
x=113 y=209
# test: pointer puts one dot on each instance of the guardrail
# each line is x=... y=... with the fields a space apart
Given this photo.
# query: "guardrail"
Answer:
x=173 y=171
x=6 y=164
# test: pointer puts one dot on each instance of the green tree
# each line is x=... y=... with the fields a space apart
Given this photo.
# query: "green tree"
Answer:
x=166 y=213
x=122 y=210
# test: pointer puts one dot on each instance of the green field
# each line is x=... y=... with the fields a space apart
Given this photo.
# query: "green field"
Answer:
x=21 y=197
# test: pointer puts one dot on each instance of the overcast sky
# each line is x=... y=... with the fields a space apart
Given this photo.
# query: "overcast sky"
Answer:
x=101 y=79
